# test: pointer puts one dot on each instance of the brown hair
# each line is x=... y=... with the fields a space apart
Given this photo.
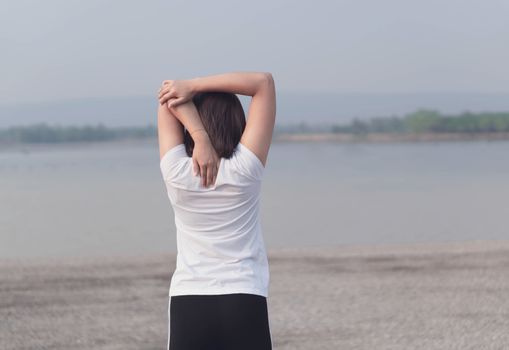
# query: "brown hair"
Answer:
x=223 y=118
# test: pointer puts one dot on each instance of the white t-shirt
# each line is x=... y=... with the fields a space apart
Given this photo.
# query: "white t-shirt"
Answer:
x=220 y=247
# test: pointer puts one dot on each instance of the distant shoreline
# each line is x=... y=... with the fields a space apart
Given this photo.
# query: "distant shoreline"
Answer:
x=286 y=138
x=389 y=137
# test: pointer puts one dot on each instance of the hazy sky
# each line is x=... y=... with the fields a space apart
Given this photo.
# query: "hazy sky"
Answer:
x=52 y=50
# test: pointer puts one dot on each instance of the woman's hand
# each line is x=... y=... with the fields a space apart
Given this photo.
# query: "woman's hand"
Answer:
x=179 y=91
x=205 y=158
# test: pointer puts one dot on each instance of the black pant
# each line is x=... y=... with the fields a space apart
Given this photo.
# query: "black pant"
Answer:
x=219 y=322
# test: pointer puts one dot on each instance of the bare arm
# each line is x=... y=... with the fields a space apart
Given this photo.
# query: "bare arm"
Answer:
x=257 y=135
x=205 y=158
x=242 y=83
x=187 y=114
x=170 y=130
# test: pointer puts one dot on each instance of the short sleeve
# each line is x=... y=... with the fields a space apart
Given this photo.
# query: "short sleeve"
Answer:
x=171 y=162
x=249 y=162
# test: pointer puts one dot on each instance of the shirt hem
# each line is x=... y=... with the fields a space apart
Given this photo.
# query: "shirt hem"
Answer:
x=216 y=291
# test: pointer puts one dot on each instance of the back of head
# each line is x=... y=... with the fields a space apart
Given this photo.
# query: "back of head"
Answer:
x=223 y=118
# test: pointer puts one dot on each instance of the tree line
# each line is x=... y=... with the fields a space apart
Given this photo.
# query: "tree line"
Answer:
x=430 y=121
x=420 y=121
x=44 y=133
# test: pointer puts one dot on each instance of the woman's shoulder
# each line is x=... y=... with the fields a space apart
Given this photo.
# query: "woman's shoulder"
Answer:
x=172 y=161
x=246 y=162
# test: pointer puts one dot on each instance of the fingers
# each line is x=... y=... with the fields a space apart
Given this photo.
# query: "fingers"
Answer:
x=163 y=90
x=204 y=171
x=167 y=91
x=175 y=102
x=207 y=170
x=216 y=170
x=166 y=97
x=170 y=104
x=166 y=85
x=210 y=174
x=166 y=94
x=196 y=168
x=214 y=175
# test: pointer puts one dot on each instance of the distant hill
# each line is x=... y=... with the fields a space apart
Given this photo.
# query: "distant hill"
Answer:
x=311 y=108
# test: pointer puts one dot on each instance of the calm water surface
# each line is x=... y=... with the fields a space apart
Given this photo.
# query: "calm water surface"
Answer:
x=109 y=198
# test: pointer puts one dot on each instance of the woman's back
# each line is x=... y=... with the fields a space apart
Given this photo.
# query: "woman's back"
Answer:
x=219 y=237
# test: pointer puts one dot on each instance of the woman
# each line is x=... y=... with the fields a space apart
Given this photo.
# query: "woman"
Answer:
x=212 y=162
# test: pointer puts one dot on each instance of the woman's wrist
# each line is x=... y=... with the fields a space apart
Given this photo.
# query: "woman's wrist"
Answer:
x=199 y=135
x=194 y=85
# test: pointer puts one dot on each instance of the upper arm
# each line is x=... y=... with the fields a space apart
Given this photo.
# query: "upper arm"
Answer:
x=170 y=130
x=261 y=118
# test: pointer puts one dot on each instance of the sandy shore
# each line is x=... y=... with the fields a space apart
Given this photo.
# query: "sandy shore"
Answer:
x=423 y=296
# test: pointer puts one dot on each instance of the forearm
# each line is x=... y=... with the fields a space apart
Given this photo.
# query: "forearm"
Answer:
x=242 y=83
x=188 y=115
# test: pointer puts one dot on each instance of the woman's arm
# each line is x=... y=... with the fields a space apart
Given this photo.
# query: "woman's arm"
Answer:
x=242 y=83
x=170 y=130
x=257 y=135
x=205 y=158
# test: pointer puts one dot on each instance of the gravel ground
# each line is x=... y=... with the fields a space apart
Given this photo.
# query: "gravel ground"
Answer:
x=422 y=296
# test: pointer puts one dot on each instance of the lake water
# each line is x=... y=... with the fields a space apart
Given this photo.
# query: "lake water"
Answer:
x=109 y=198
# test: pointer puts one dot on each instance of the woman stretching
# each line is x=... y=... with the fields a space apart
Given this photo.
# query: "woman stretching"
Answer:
x=212 y=162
